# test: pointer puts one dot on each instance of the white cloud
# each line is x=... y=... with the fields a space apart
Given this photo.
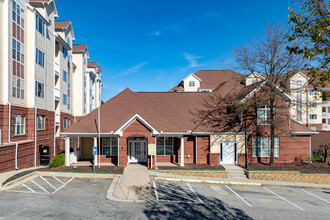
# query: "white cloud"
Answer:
x=131 y=70
x=192 y=59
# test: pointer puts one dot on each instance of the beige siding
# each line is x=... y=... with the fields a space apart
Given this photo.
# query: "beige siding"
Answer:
x=186 y=86
x=216 y=139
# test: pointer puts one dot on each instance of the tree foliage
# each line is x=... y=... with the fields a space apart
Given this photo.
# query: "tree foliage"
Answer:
x=311 y=23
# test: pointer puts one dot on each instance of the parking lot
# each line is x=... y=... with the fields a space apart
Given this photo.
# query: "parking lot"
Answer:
x=77 y=198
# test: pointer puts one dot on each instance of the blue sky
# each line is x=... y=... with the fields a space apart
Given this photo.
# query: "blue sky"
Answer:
x=150 y=45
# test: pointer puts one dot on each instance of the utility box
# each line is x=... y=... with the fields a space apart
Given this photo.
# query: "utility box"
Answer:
x=43 y=155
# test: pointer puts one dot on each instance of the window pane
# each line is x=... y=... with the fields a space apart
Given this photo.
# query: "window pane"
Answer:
x=114 y=151
x=114 y=141
x=106 y=150
x=169 y=150
x=160 y=146
x=106 y=141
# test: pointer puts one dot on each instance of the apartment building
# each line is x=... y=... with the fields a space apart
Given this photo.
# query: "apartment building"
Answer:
x=94 y=85
x=36 y=81
x=310 y=108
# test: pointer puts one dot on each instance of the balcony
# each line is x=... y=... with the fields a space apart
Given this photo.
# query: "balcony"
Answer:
x=57 y=69
x=57 y=119
x=57 y=94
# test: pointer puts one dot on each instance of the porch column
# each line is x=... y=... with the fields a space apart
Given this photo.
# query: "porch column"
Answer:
x=182 y=152
x=67 y=151
x=95 y=156
x=75 y=150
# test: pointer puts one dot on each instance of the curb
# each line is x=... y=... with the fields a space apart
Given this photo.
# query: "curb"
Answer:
x=113 y=188
x=207 y=181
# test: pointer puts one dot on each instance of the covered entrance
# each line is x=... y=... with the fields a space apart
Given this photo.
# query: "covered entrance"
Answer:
x=228 y=152
x=137 y=149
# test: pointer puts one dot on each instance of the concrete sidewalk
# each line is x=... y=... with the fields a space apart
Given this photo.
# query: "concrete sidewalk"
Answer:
x=6 y=175
x=234 y=181
x=135 y=184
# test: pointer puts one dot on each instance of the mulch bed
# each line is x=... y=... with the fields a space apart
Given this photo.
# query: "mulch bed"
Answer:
x=105 y=169
x=301 y=167
x=193 y=166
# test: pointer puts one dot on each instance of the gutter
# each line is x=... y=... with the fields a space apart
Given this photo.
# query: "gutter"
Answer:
x=304 y=132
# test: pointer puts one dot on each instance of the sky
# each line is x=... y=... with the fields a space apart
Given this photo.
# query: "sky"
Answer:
x=151 y=45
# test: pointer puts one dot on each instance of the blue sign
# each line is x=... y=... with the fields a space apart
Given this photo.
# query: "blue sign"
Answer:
x=95 y=150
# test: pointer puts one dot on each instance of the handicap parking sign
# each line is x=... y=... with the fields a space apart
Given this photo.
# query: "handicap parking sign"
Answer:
x=94 y=150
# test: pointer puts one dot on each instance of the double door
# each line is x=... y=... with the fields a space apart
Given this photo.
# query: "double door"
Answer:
x=137 y=151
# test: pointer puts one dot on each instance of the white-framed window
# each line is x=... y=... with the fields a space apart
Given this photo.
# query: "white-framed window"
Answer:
x=65 y=123
x=110 y=146
x=263 y=113
x=40 y=122
x=64 y=76
x=312 y=116
x=164 y=146
x=191 y=83
x=313 y=104
x=40 y=57
x=69 y=103
x=40 y=89
x=299 y=83
x=65 y=100
x=40 y=25
x=299 y=95
x=261 y=147
x=314 y=128
x=19 y=124
x=299 y=117
x=18 y=87
x=312 y=93
x=18 y=14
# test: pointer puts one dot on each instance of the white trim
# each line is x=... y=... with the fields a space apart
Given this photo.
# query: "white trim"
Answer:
x=191 y=74
x=130 y=121
x=300 y=74
x=235 y=149
x=304 y=132
x=252 y=92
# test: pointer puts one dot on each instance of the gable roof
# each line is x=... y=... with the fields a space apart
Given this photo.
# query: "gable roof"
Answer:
x=91 y=63
x=210 y=79
x=299 y=129
x=62 y=24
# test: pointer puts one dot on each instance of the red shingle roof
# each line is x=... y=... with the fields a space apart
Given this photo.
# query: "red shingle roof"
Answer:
x=91 y=63
x=323 y=137
x=62 y=24
x=79 y=47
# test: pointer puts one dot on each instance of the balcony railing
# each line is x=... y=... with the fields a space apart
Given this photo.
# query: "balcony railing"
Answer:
x=57 y=119
x=57 y=94
x=57 y=69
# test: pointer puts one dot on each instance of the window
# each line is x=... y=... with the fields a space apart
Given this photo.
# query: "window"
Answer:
x=261 y=146
x=164 y=146
x=312 y=92
x=110 y=146
x=69 y=103
x=313 y=104
x=64 y=76
x=65 y=53
x=313 y=116
x=18 y=87
x=191 y=83
x=19 y=124
x=40 y=57
x=65 y=123
x=263 y=113
x=65 y=99
x=314 y=128
x=40 y=122
x=298 y=83
x=40 y=25
x=40 y=89
x=299 y=117
x=299 y=95
x=68 y=40
x=205 y=90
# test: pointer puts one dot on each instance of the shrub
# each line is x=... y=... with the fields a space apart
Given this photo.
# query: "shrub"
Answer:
x=317 y=157
x=58 y=160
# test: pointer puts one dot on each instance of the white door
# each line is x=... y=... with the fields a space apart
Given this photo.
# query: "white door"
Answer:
x=228 y=152
x=137 y=151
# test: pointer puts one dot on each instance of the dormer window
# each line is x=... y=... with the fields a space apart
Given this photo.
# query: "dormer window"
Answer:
x=191 y=83
x=298 y=83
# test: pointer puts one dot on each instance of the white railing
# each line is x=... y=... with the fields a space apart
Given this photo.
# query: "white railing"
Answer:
x=57 y=94
x=72 y=158
x=57 y=119
x=57 y=69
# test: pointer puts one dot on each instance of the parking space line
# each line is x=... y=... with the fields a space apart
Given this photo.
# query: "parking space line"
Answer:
x=239 y=196
x=62 y=185
x=12 y=190
x=315 y=196
x=156 y=193
x=40 y=186
x=58 y=179
x=48 y=182
x=28 y=188
x=284 y=199
x=195 y=193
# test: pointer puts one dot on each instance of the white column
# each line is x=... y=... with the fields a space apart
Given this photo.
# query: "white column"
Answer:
x=67 y=151
x=80 y=148
x=95 y=156
x=75 y=150
x=182 y=152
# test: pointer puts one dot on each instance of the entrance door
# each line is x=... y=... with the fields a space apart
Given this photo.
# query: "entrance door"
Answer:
x=137 y=151
x=228 y=152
